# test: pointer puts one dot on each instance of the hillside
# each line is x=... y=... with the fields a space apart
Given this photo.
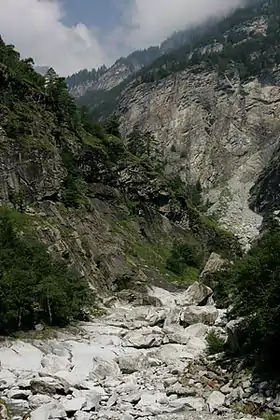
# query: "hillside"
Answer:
x=213 y=107
x=106 y=209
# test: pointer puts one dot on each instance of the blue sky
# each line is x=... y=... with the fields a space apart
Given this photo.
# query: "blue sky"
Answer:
x=71 y=35
x=101 y=13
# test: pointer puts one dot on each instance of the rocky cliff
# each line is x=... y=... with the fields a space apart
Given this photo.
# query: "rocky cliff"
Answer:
x=110 y=214
x=213 y=107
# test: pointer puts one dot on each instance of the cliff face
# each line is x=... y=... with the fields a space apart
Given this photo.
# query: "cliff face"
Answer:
x=217 y=130
x=112 y=215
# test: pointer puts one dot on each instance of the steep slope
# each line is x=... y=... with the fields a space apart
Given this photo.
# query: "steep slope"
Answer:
x=213 y=107
x=110 y=214
x=107 y=78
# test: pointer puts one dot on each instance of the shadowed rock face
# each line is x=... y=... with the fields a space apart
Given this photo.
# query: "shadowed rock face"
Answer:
x=132 y=362
x=221 y=132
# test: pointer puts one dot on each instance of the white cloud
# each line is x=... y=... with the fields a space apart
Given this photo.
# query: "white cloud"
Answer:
x=154 y=20
x=36 y=29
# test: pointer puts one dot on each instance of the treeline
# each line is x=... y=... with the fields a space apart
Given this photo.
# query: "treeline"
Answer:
x=34 y=286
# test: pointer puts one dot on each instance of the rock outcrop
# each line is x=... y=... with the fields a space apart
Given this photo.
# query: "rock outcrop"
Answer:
x=221 y=132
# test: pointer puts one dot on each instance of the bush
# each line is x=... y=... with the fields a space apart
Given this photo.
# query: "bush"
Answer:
x=215 y=343
x=34 y=287
x=184 y=254
x=254 y=284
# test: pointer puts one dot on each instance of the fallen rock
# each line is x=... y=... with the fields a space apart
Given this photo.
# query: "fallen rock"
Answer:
x=49 y=385
x=144 y=338
x=49 y=411
x=199 y=314
x=215 y=400
x=196 y=294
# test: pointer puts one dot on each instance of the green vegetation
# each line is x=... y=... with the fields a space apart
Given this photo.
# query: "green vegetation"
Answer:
x=252 y=286
x=34 y=287
x=184 y=254
x=215 y=344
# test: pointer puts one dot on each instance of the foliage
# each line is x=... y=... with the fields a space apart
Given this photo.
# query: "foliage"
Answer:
x=141 y=143
x=33 y=286
x=184 y=254
x=215 y=343
x=253 y=287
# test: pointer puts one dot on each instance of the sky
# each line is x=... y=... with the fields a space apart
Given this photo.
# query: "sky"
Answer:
x=70 y=35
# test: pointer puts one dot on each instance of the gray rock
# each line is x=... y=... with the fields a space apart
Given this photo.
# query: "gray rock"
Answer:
x=199 y=314
x=130 y=363
x=144 y=338
x=53 y=364
x=196 y=294
x=37 y=400
x=7 y=379
x=50 y=386
x=17 y=394
x=73 y=405
x=49 y=411
x=215 y=401
x=105 y=368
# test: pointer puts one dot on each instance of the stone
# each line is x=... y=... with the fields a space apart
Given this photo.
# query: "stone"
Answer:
x=73 y=405
x=215 y=401
x=18 y=394
x=49 y=385
x=130 y=363
x=21 y=356
x=4 y=412
x=53 y=364
x=144 y=338
x=214 y=264
x=82 y=415
x=196 y=294
x=105 y=368
x=199 y=314
x=166 y=298
x=232 y=329
x=7 y=379
x=37 y=400
x=49 y=411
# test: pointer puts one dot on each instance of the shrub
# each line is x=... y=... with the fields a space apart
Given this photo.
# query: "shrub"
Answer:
x=184 y=254
x=34 y=287
x=254 y=284
x=215 y=343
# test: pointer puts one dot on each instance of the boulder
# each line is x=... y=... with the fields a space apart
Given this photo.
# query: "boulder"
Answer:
x=52 y=363
x=130 y=363
x=105 y=368
x=7 y=379
x=214 y=264
x=73 y=405
x=196 y=294
x=49 y=411
x=233 y=333
x=49 y=386
x=144 y=338
x=37 y=400
x=199 y=314
x=215 y=400
x=4 y=412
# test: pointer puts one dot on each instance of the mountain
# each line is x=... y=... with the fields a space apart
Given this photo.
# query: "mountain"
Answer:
x=212 y=106
x=115 y=231
x=107 y=78
x=105 y=208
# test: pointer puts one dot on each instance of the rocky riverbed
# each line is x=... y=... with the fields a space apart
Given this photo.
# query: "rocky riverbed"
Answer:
x=143 y=362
